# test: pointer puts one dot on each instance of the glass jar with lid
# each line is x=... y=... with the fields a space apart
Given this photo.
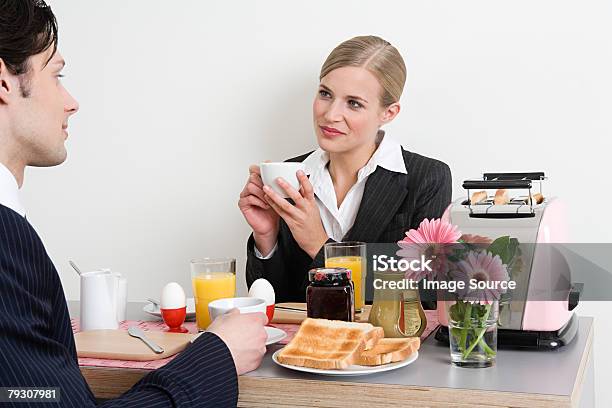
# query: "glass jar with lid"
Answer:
x=397 y=311
x=330 y=294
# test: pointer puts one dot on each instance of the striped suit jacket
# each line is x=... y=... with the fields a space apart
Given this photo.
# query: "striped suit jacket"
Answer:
x=392 y=204
x=37 y=346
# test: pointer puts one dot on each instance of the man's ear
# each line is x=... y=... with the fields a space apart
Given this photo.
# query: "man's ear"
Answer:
x=6 y=85
x=390 y=113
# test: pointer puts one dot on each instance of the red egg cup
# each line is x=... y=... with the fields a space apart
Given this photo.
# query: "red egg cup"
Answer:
x=270 y=313
x=174 y=319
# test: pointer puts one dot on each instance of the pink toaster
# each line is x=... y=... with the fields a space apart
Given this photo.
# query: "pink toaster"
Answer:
x=538 y=313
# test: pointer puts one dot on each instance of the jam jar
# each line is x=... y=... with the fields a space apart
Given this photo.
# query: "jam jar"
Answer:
x=330 y=294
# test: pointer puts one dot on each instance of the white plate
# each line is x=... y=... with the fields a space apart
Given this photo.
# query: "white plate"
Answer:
x=274 y=335
x=350 y=370
x=154 y=310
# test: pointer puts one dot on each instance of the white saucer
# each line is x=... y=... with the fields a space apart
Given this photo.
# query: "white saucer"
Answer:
x=154 y=310
x=350 y=370
x=274 y=335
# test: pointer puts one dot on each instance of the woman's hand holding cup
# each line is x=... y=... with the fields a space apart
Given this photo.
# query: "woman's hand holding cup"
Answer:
x=258 y=213
x=303 y=218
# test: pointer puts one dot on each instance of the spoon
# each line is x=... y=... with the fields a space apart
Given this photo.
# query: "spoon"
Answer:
x=76 y=268
x=136 y=332
x=155 y=302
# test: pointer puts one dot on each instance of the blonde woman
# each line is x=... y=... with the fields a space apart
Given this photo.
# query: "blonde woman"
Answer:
x=359 y=185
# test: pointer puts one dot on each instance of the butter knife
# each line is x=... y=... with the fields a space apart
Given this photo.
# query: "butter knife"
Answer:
x=290 y=309
x=137 y=332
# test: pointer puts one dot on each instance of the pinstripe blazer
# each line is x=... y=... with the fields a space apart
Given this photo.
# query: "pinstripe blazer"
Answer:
x=392 y=203
x=37 y=347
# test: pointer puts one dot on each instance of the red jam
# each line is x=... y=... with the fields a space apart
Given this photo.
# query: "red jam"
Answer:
x=330 y=294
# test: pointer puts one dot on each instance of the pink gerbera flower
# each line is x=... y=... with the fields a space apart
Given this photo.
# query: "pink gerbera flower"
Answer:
x=433 y=232
x=432 y=240
x=480 y=266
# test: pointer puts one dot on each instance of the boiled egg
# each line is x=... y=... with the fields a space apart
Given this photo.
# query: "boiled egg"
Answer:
x=262 y=289
x=173 y=296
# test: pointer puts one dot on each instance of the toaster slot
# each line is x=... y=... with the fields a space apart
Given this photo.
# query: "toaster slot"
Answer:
x=534 y=176
x=503 y=215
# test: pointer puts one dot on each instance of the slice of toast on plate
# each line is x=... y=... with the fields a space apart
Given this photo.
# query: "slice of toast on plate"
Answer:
x=389 y=350
x=329 y=344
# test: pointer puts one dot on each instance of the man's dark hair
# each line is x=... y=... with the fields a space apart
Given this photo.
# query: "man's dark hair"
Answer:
x=27 y=28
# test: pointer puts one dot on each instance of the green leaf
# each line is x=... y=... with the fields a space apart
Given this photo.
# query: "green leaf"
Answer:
x=455 y=312
x=513 y=248
x=505 y=247
x=481 y=311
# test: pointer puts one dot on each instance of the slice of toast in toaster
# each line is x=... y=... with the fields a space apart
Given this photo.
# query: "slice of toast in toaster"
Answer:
x=537 y=198
x=389 y=350
x=329 y=344
x=501 y=197
x=478 y=197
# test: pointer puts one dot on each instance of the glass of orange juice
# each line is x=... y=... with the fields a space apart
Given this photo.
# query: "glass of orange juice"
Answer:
x=350 y=255
x=212 y=279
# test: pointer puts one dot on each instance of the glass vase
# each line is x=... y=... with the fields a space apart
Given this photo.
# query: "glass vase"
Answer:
x=472 y=333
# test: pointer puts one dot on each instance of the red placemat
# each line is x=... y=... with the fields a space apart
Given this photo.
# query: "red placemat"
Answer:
x=145 y=326
x=291 y=329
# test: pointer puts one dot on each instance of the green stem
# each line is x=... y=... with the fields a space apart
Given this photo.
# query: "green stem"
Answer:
x=482 y=343
x=486 y=347
x=483 y=320
x=467 y=315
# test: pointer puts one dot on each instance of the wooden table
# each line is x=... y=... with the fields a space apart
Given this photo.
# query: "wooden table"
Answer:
x=561 y=378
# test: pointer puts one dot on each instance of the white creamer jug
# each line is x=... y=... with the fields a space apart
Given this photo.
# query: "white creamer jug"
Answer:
x=103 y=299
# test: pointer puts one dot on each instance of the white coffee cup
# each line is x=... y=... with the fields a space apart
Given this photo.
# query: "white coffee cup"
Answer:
x=103 y=299
x=271 y=171
x=244 y=304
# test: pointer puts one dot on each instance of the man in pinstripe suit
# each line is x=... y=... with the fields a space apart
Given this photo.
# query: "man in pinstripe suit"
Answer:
x=37 y=347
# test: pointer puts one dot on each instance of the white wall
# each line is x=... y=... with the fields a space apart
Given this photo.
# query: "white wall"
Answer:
x=178 y=98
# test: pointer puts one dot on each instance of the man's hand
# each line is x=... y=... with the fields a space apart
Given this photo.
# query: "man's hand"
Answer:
x=244 y=335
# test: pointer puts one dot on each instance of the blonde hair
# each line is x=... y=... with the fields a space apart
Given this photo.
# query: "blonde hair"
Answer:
x=377 y=56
